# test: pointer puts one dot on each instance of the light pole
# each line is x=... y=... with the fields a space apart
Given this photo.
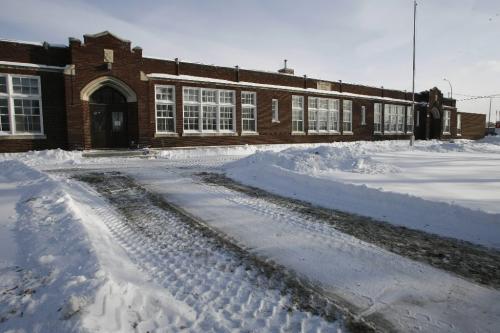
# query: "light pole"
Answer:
x=412 y=138
x=451 y=88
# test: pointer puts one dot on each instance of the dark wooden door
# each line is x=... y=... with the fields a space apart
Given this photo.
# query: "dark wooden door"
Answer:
x=108 y=111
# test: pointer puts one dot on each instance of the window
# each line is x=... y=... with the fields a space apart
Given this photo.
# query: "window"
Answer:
x=418 y=118
x=20 y=105
x=377 y=117
x=165 y=109
x=208 y=110
x=347 y=116
x=394 y=118
x=275 y=111
x=248 y=111
x=446 y=122
x=459 y=125
x=323 y=114
x=409 y=119
x=297 y=114
x=363 y=115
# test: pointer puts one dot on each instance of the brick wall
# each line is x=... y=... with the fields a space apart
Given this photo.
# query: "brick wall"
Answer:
x=473 y=125
x=67 y=118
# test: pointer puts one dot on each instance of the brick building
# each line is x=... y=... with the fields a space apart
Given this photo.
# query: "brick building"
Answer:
x=103 y=93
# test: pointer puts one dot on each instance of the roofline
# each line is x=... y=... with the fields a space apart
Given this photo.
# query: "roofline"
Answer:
x=200 y=79
x=107 y=32
x=7 y=40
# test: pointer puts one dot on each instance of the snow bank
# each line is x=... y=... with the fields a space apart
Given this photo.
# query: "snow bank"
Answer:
x=41 y=157
x=447 y=188
x=60 y=269
x=322 y=159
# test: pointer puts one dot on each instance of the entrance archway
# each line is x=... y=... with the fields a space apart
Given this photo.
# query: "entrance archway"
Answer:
x=108 y=118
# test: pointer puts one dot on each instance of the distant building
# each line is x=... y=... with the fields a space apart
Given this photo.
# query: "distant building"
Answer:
x=104 y=94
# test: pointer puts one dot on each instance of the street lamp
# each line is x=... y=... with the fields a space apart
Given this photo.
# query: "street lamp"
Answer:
x=451 y=88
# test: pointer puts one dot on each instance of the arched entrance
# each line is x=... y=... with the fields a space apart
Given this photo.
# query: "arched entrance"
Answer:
x=435 y=124
x=108 y=118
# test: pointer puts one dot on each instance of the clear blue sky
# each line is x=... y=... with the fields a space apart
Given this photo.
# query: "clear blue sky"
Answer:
x=359 y=41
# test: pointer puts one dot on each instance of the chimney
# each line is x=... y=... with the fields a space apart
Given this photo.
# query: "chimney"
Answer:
x=177 y=67
x=286 y=70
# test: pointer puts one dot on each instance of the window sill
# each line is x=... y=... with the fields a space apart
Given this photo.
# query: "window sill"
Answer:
x=446 y=133
x=347 y=133
x=324 y=133
x=165 y=135
x=275 y=121
x=249 y=133
x=298 y=133
x=23 y=136
x=459 y=134
x=378 y=133
x=394 y=133
x=209 y=134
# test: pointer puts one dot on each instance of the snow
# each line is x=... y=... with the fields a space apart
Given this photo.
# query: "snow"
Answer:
x=373 y=281
x=76 y=265
x=447 y=188
x=192 y=78
x=52 y=263
x=26 y=64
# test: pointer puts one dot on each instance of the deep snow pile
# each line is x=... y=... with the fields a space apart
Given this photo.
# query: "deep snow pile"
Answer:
x=41 y=157
x=322 y=159
x=60 y=270
x=447 y=188
x=48 y=267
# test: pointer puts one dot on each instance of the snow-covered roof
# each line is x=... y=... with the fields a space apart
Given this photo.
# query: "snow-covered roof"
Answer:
x=32 y=43
x=30 y=65
x=190 y=78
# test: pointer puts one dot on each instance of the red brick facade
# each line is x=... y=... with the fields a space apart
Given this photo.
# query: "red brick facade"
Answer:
x=68 y=73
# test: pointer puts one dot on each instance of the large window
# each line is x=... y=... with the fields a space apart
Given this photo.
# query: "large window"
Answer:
x=347 y=116
x=459 y=125
x=446 y=122
x=394 y=118
x=248 y=111
x=377 y=117
x=363 y=115
x=409 y=119
x=323 y=115
x=165 y=109
x=208 y=110
x=20 y=105
x=297 y=114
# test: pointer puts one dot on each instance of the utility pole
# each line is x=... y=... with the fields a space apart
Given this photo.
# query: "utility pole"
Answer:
x=489 y=117
x=413 y=79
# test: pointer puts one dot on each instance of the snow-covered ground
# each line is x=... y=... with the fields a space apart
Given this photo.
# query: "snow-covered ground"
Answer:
x=69 y=262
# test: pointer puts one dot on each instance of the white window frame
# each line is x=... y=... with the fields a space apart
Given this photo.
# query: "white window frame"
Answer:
x=10 y=96
x=300 y=110
x=331 y=113
x=409 y=119
x=165 y=102
x=363 y=115
x=254 y=110
x=394 y=119
x=347 y=116
x=446 y=122
x=218 y=104
x=377 y=118
x=275 y=110
x=459 y=124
